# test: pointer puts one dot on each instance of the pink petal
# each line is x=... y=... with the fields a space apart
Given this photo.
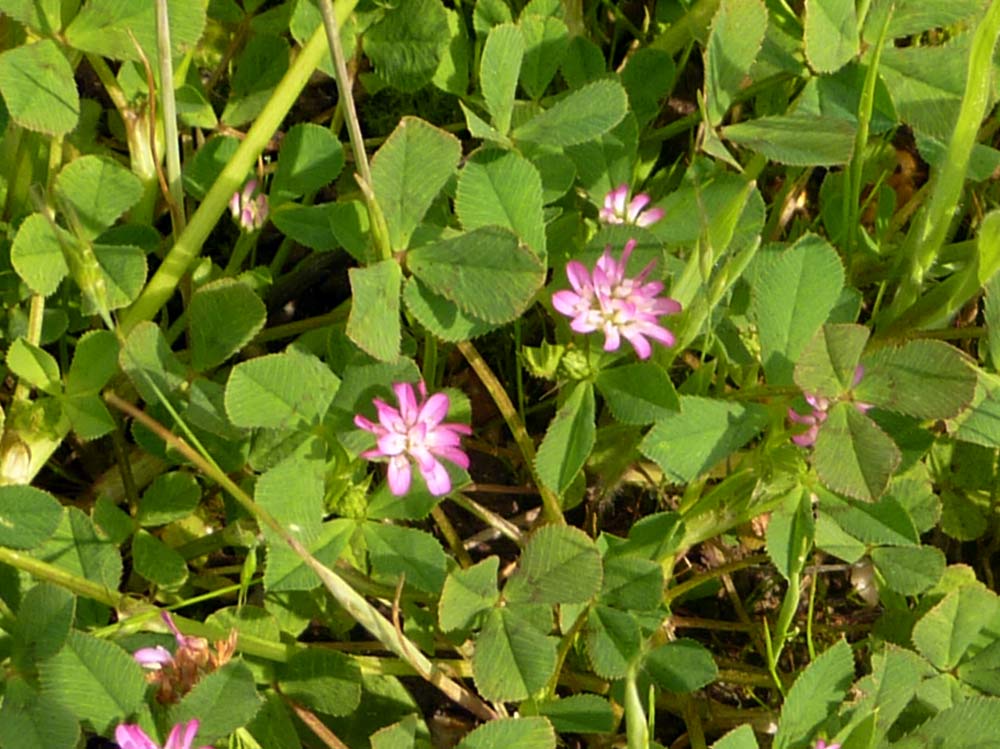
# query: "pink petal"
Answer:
x=132 y=737
x=567 y=302
x=408 y=409
x=399 y=475
x=612 y=340
x=434 y=410
x=373 y=454
x=578 y=275
x=452 y=454
x=362 y=423
x=438 y=481
x=640 y=344
x=176 y=741
x=650 y=217
x=798 y=418
x=153 y=657
x=391 y=444
x=859 y=372
x=389 y=417
x=636 y=205
x=617 y=197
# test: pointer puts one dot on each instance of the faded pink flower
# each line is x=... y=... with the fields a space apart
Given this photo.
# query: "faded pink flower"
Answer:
x=416 y=432
x=249 y=211
x=817 y=415
x=615 y=304
x=130 y=736
x=618 y=209
x=821 y=744
x=175 y=674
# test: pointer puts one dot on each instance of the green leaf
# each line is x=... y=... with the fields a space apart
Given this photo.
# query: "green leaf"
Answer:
x=123 y=273
x=395 y=550
x=790 y=534
x=546 y=40
x=95 y=362
x=579 y=713
x=831 y=34
x=632 y=583
x=76 y=548
x=498 y=72
x=95 y=191
x=29 y=720
x=468 y=593
x=815 y=695
x=323 y=680
x=440 y=316
x=604 y=163
x=583 y=115
x=982 y=671
x=225 y=316
x=506 y=733
x=739 y=738
x=885 y=522
x=148 y=361
x=401 y=735
x=502 y=188
x=911 y=17
x=733 y=43
x=829 y=361
x=559 y=564
x=157 y=562
x=794 y=292
x=172 y=496
x=653 y=537
x=706 y=431
x=43 y=622
x=638 y=393
x=452 y=74
x=308 y=225
x=926 y=83
x=613 y=641
x=42 y=15
x=409 y=171
x=88 y=416
x=374 y=320
x=279 y=390
x=972 y=723
x=37 y=254
x=112 y=28
x=310 y=158
x=909 y=570
x=272 y=726
x=407 y=43
x=35 y=365
x=681 y=666
x=957 y=627
x=38 y=88
x=796 y=139
x=96 y=679
x=28 y=516
x=923 y=378
x=485 y=272
x=223 y=701
x=512 y=659
x=853 y=455
x=568 y=440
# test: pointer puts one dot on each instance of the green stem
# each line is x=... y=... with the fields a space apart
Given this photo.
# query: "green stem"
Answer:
x=246 y=242
x=168 y=110
x=551 y=508
x=188 y=245
x=852 y=193
x=635 y=716
x=930 y=229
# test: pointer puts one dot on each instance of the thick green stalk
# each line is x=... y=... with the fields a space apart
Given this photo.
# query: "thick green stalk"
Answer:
x=188 y=245
x=930 y=228
x=635 y=716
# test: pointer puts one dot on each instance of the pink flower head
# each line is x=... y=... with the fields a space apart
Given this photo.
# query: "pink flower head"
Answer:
x=248 y=210
x=821 y=744
x=618 y=209
x=416 y=433
x=609 y=301
x=130 y=736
